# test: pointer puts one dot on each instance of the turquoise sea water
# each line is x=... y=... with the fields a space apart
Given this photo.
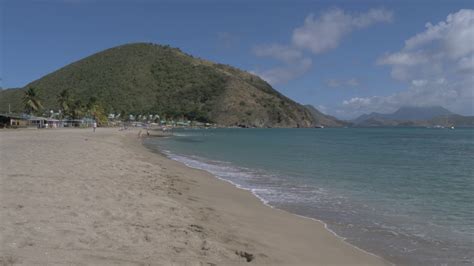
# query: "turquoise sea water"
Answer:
x=406 y=194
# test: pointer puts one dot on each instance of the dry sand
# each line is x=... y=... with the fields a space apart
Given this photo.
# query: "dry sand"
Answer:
x=71 y=196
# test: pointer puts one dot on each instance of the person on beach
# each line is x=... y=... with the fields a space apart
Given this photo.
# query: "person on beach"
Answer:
x=94 y=126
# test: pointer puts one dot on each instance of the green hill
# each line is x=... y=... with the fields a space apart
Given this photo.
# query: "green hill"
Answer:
x=147 y=78
x=11 y=99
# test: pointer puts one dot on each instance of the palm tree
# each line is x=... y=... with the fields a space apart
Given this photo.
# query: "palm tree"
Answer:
x=95 y=110
x=77 y=109
x=31 y=101
x=65 y=102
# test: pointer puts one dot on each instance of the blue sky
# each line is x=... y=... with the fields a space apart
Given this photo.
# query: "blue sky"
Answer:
x=344 y=57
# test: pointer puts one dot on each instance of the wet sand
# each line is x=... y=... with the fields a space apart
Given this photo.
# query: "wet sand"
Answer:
x=71 y=196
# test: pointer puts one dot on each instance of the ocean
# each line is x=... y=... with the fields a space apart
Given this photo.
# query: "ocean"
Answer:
x=406 y=194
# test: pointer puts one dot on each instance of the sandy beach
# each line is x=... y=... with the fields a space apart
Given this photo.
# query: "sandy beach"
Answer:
x=71 y=196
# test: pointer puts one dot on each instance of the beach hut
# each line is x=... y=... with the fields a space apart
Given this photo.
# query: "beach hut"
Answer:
x=37 y=121
x=12 y=121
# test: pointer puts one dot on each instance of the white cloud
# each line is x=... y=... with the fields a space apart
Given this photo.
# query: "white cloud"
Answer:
x=358 y=102
x=419 y=82
x=295 y=63
x=466 y=64
x=438 y=66
x=318 y=34
x=326 y=32
x=322 y=108
x=452 y=96
x=335 y=83
x=403 y=58
x=439 y=47
x=457 y=96
x=280 y=75
x=455 y=35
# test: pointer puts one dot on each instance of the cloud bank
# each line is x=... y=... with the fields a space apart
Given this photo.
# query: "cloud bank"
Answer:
x=437 y=65
x=326 y=32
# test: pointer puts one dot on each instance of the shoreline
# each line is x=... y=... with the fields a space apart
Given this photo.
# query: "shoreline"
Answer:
x=264 y=202
x=104 y=198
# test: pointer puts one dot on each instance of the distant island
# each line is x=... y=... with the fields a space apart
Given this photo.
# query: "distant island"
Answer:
x=413 y=116
x=151 y=79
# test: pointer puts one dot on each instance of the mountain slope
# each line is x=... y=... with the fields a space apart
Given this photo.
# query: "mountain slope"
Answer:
x=419 y=113
x=11 y=100
x=415 y=116
x=145 y=78
x=406 y=113
x=322 y=119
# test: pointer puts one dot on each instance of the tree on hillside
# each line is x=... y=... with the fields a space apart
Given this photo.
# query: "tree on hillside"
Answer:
x=65 y=101
x=31 y=101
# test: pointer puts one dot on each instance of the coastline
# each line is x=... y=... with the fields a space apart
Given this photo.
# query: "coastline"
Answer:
x=125 y=204
x=167 y=155
x=265 y=202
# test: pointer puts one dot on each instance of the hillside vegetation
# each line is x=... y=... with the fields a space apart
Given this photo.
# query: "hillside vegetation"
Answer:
x=147 y=78
x=11 y=99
